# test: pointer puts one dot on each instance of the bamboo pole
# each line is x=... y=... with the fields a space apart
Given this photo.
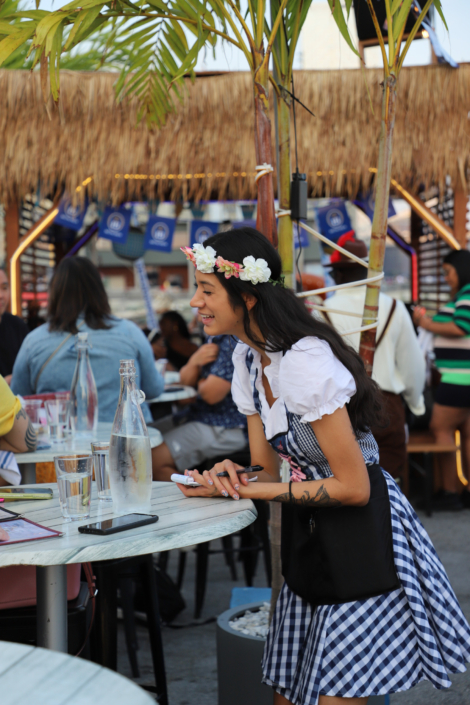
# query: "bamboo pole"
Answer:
x=379 y=223
x=266 y=218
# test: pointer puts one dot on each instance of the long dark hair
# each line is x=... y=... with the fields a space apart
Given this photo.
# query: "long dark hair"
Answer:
x=76 y=288
x=178 y=320
x=460 y=260
x=283 y=319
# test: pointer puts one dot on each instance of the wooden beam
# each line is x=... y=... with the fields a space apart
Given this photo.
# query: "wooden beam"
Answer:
x=460 y=217
x=12 y=228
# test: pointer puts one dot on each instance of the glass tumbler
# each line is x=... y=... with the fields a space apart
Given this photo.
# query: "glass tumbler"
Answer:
x=58 y=414
x=33 y=408
x=74 y=475
x=101 y=465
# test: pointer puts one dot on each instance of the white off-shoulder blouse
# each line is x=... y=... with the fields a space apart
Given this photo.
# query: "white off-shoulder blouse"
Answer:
x=309 y=380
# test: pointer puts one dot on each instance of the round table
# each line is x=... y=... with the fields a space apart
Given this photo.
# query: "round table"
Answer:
x=183 y=522
x=76 y=444
x=181 y=392
x=35 y=676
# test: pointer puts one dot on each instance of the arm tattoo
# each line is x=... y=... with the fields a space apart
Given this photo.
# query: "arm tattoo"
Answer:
x=321 y=499
x=21 y=415
x=30 y=438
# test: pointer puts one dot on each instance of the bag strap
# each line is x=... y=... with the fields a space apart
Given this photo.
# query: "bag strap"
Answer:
x=90 y=578
x=392 y=310
x=67 y=337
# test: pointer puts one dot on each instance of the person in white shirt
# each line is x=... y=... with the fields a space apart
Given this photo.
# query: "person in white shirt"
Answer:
x=399 y=366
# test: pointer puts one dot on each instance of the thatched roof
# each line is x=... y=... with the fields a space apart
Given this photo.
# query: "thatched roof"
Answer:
x=206 y=149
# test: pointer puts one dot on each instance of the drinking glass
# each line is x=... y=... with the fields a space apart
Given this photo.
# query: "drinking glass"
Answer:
x=33 y=408
x=58 y=412
x=101 y=464
x=74 y=474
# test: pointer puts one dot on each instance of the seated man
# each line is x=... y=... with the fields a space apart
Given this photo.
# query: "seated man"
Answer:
x=215 y=426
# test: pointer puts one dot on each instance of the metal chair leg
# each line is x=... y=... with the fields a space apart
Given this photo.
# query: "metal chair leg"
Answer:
x=202 y=560
x=154 y=627
x=126 y=586
x=227 y=543
x=181 y=569
x=104 y=633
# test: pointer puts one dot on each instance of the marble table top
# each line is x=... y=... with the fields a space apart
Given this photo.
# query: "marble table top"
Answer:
x=37 y=676
x=183 y=522
x=79 y=445
x=183 y=392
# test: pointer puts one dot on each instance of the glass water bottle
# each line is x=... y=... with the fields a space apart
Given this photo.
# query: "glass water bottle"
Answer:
x=83 y=394
x=130 y=461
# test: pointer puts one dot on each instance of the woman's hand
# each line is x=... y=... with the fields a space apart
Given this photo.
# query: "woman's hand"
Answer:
x=213 y=486
x=419 y=316
x=205 y=354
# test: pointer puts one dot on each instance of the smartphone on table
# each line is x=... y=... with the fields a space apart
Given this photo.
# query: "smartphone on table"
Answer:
x=117 y=524
x=15 y=493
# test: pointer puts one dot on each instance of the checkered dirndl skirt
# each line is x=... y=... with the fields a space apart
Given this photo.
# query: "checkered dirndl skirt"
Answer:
x=381 y=645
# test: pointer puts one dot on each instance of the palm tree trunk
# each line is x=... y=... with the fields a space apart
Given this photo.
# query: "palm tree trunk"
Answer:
x=379 y=223
x=266 y=219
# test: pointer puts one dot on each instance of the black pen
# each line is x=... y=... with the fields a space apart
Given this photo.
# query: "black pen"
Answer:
x=240 y=471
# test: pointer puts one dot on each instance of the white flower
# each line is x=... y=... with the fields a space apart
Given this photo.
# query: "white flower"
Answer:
x=205 y=258
x=255 y=271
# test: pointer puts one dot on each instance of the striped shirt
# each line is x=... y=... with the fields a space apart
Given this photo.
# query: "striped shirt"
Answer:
x=453 y=353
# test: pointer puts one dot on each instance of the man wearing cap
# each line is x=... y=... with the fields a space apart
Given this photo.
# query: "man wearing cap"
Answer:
x=399 y=366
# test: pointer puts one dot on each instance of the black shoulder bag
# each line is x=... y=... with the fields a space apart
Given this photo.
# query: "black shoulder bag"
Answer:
x=335 y=555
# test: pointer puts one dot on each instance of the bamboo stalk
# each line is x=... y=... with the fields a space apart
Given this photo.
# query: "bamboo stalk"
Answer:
x=286 y=235
x=266 y=219
x=379 y=223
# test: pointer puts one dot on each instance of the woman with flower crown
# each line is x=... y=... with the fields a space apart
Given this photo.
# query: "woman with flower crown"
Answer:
x=337 y=633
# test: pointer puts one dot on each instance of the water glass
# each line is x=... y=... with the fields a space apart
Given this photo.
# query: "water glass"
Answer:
x=58 y=413
x=74 y=476
x=101 y=465
x=33 y=408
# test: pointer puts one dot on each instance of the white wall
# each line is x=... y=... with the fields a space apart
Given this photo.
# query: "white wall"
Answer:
x=323 y=46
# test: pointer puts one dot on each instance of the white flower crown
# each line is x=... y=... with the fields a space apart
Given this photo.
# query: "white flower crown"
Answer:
x=252 y=270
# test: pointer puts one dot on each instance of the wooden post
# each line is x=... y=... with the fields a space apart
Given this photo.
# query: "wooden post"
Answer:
x=12 y=231
x=460 y=217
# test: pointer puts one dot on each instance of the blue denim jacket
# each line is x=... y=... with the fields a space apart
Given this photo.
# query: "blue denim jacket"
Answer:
x=123 y=341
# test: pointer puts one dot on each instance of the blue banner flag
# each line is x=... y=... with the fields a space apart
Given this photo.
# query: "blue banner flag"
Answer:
x=70 y=216
x=333 y=220
x=366 y=202
x=304 y=241
x=152 y=322
x=201 y=230
x=115 y=223
x=159 y=233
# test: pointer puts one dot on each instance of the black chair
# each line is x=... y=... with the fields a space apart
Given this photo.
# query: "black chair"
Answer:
x=122 y=574
x=19 y=624
x=253 y=538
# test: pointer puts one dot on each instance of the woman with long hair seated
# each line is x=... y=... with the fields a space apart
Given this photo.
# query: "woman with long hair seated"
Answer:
x=366 y=607
x=78 y=303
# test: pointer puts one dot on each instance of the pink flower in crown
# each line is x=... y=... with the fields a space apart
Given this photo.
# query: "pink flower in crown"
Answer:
x=188 y=251
x=230 y=269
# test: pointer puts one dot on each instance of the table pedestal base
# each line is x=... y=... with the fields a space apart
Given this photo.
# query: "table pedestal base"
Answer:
x=28 y=473
x=51 y=592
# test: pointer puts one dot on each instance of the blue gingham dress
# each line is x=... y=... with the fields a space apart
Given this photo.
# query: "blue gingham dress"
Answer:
x=381 y=645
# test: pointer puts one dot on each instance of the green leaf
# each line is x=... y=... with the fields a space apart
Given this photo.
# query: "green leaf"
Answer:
x=337 y=12
x=395 y=5
x=12 y=42
x=54 y=61
x=84 y=19
x=438 y=6
x=401 y=18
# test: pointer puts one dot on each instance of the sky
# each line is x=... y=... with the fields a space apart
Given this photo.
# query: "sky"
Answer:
x=456 y=41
